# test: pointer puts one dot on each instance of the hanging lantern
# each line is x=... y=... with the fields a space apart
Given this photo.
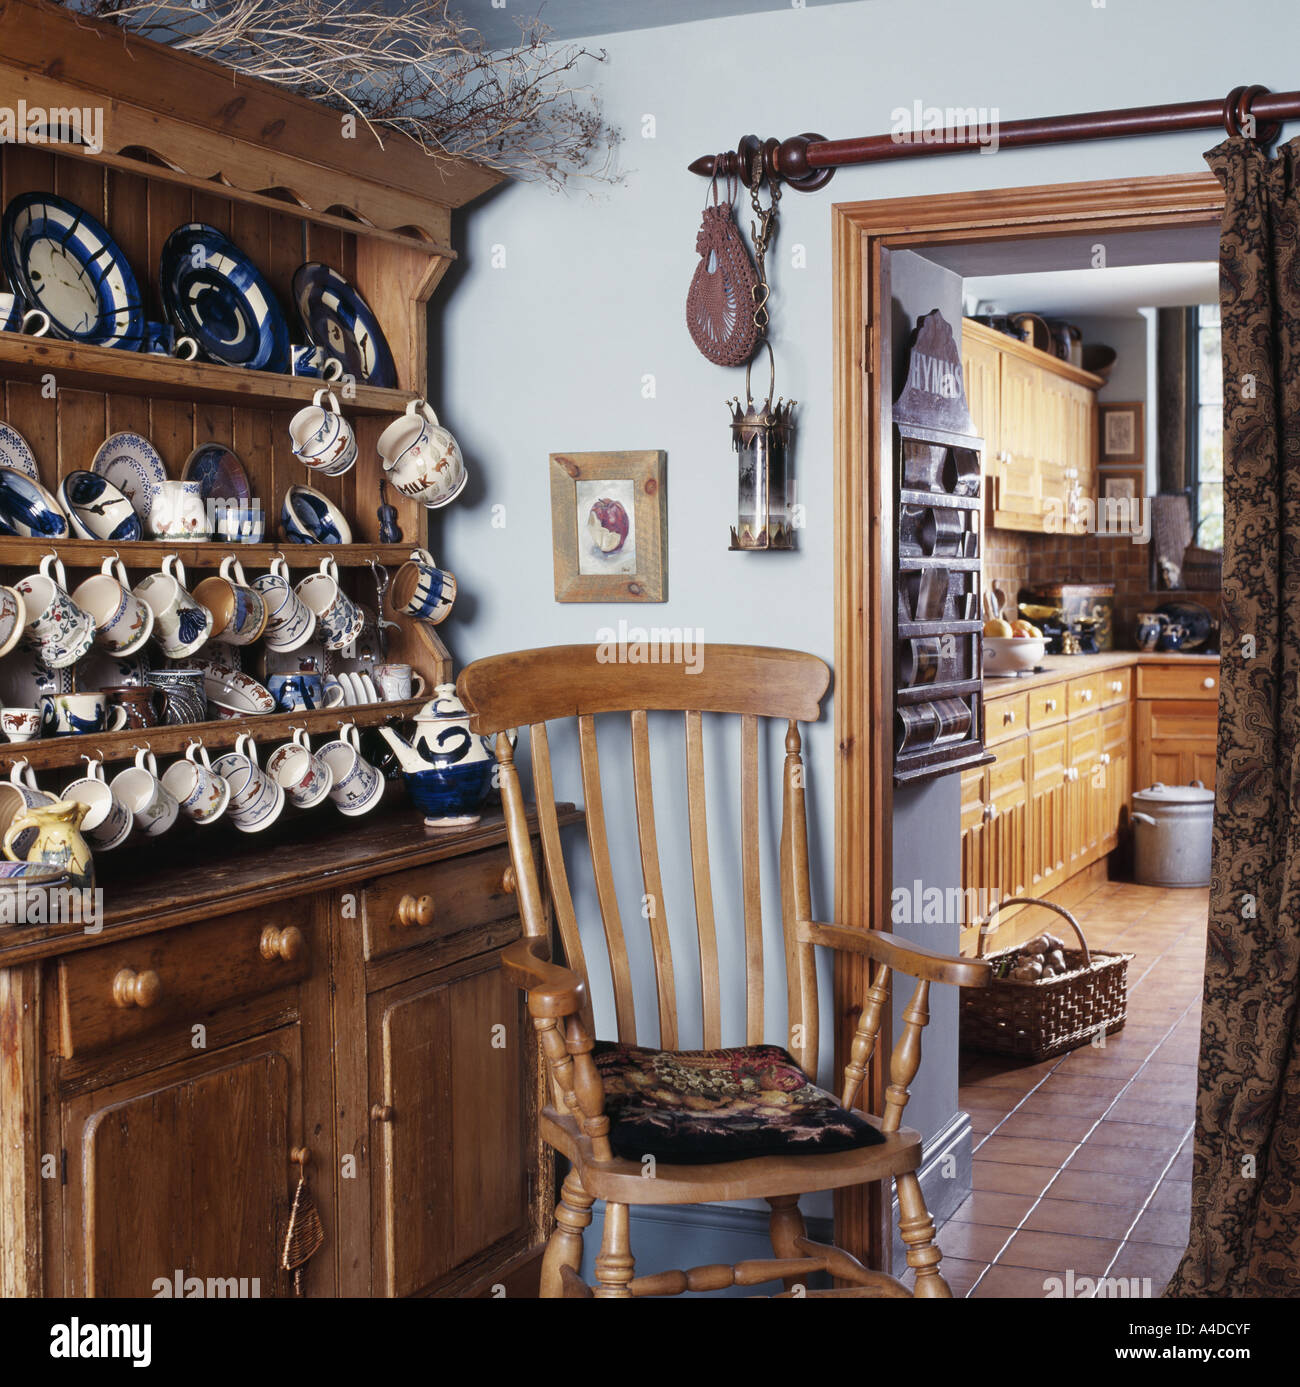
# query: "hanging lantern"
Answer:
x=760 y=438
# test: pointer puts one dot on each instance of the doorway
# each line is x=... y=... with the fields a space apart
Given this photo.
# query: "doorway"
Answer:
x=869 y=242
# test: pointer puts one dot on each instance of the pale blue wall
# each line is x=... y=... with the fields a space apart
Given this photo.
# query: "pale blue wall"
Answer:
x=548 y=352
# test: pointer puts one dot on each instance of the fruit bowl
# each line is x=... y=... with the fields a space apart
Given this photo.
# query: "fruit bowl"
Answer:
x=1010 y=655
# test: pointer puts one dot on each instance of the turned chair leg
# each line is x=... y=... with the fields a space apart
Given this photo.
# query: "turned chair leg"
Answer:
x=564 y=1249
x=615 y=1265
x=916 y=1228
x=786 y=1227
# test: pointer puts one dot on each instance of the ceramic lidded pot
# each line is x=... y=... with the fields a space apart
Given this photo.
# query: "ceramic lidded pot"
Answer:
x=446 y=767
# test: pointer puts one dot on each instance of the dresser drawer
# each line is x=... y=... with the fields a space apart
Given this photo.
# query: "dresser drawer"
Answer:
x=1005 y=718
x=1083 y=695
x=425 y=903
x=1116 y=686
x=1178 y=681
x=177 y=978
x=1047 y=706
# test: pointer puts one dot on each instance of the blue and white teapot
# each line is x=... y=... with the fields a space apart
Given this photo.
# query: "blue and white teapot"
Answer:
x=446 y=767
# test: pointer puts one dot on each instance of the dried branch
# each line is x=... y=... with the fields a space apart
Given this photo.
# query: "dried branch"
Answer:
x=413 y=67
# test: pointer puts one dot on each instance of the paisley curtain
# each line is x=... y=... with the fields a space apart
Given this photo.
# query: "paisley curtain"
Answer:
x=1245 y=1230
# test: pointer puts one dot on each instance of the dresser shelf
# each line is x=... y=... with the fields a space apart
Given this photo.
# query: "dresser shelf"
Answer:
x=149 y=553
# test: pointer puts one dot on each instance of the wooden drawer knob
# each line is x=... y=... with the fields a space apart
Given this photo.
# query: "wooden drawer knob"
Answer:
x=381 y=1112
x=132 y=989
x=508 y=883
x=415 y=910
x=285 y=944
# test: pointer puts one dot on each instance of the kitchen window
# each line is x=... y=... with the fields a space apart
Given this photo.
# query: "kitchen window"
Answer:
x=1205 y=424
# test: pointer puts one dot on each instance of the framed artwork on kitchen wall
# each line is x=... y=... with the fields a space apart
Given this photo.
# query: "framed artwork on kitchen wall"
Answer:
x=609 y=526
x=1119 y=432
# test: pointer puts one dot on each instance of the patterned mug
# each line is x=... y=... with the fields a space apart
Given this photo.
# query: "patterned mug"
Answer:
x=122 y=621
x=303 y=775
x=181 y=625
x=289 y=621
x=108 y=821
x=256 y=800
x=357 y=786
x=202 y=794
x=338 y=618
x=57 y=629
x=238 y=611
x=322 y=438
x=422 y=590
x=153 y=806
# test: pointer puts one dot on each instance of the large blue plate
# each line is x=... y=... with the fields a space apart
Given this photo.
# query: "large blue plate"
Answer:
x=63 y=262
x=336 y=318
x=27 y=509
x=214 y=293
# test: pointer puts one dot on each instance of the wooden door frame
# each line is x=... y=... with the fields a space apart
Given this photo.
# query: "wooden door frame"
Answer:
x=864 y=235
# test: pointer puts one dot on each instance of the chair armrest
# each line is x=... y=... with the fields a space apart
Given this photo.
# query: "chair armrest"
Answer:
x=916 y=960
x=552 y=990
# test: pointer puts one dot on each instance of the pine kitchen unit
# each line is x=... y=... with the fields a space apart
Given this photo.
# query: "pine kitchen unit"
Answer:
x=1037 y=415
x=1071 y=746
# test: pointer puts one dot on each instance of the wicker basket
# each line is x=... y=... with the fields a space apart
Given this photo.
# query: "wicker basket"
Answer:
x=1036 y=1020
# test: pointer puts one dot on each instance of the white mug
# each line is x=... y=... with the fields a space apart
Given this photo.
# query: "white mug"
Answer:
x=322 y=438
x=398 y=682
x=177 y=510
x=256 y=800
x=153 y=806
x=122 y=621
x=181 y=625
x=357 y=786
x=289 y=621
x=202 y=794
x=303 y=776
x=57 y=629
x=107 y=824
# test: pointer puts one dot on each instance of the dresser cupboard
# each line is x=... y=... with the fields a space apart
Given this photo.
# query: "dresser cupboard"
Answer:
x=1037 y=416
x=164 y=1078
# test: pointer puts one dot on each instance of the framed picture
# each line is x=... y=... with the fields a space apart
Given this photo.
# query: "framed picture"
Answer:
x=1119 y=432
x=609 y=527
x=1123 y=483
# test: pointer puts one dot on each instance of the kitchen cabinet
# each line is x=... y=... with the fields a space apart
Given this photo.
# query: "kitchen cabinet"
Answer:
x=1177 y=724
x=335 y=997
x=1049 y=807
x=1037 y=415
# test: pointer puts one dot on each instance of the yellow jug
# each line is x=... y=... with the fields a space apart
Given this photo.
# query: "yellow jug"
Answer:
x=58 y=840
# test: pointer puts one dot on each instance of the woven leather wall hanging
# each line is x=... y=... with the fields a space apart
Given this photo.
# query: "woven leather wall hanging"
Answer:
x=720 y=303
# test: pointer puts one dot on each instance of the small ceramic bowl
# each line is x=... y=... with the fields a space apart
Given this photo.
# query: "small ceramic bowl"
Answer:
x=310 y=517
x=1013 y=654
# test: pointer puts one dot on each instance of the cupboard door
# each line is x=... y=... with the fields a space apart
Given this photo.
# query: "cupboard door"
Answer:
x=1116 y=742
x=1009 y=820
x=981 y=374
x=1048 y=807
x=1019 y=497
x=974 y=852
x=1176 y=742
x=188 y=1170
x=449 y=1093
x=1086 y=793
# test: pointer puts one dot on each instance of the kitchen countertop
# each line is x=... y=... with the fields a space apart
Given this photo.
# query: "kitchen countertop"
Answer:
x=1058 y=667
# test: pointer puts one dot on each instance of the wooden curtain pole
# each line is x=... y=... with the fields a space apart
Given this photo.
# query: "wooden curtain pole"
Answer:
x=807 y=162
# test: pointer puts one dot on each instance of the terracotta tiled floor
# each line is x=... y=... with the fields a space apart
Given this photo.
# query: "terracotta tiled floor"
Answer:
x=1084 y=1162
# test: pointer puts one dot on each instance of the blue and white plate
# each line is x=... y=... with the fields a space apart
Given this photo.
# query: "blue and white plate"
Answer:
x=62 y=261
x=336 y=318
x=97 y=509
x=214 y=293
x=15 y=452
x=27 y=509
x=133 y=465
x=308 y=517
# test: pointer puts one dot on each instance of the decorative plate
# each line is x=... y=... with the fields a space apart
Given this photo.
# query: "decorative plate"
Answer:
x=221 y=478
x=60 y=259
x=24 y=677
x=133 y=465
x=309 y=517
x=13 y=618
x=336 y=318
x=97 y=509
x=15 y=452
x=214 y=293
x=27 y=509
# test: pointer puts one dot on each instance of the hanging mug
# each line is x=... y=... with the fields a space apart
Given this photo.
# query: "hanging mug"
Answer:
x=181 y=625
x=422 y=459
x=256 y=800
x=322 y=438
x=303 y=776
x=123 y=622
x=338 y=618
x=289 y=621
x=108 y=821
x=422 y=590
x=57 y=629
x=153 y=806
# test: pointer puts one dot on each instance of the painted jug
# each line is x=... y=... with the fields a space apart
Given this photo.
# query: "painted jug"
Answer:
x=58 y=841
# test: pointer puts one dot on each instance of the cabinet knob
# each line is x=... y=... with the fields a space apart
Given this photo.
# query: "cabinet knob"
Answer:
x=1207 y=682
x=988 y=813
x=381 y=1112
x=1009 y=716
x=508 y=883
x=285 y=944
x=1050 y=705
x=415 y=910
x=1117 y=686
x=132 y=989
x=1085 y=695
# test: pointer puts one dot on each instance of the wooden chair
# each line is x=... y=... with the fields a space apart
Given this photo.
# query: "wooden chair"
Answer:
x=531 y=688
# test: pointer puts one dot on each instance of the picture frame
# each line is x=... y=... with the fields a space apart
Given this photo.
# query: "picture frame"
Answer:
x=1122 y=484
x=1120 y=432
x=609 y=526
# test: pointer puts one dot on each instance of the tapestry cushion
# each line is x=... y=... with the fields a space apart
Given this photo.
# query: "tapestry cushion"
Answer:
x=693 y=1107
